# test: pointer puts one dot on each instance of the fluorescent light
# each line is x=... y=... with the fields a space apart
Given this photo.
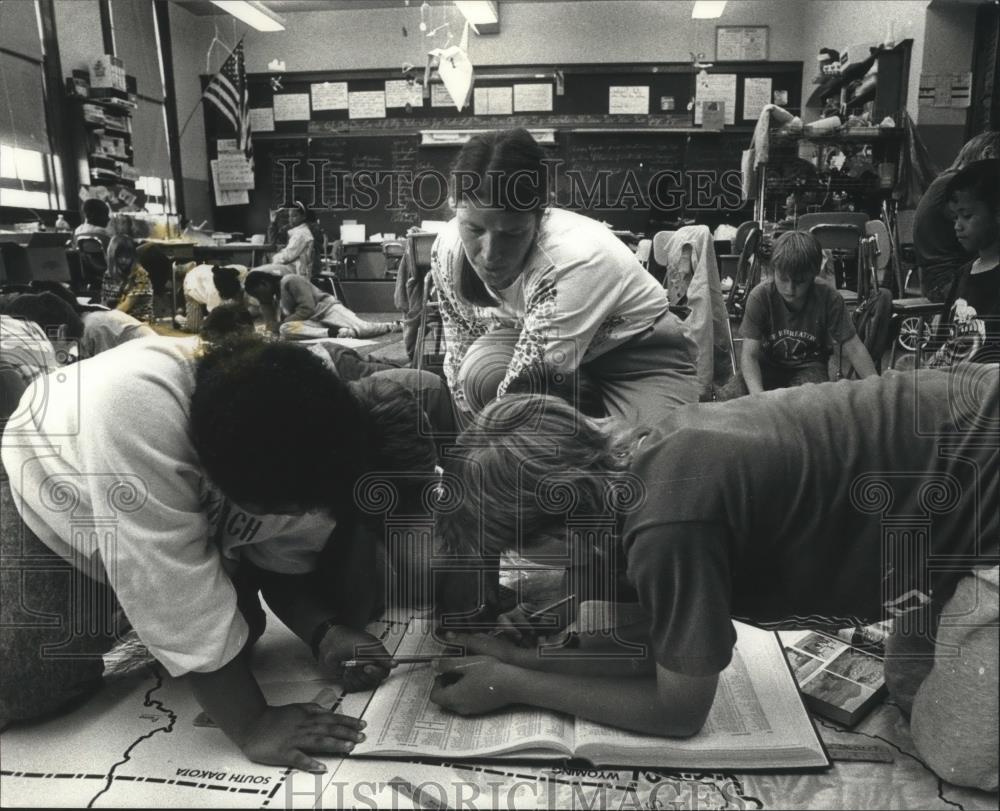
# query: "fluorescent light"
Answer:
x=708 y=9
x=479 y=12
x=254 y=14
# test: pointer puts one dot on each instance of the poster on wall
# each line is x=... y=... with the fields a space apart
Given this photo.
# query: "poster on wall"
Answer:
x=233 y=171
x=493 y=100
x=716 y=87
x=366 y=104
x=756 y=95
x=626 y=100
x=440 y=97
x=328 y=95
x=741 y=43
x=400 y=93
x=291 y=107
x=533 y=98
x=227 y=197
x=261 y=119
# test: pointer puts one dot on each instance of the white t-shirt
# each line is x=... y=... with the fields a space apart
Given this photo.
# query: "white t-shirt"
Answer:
x=200 y=286
x=111 y=482
x=582 y=293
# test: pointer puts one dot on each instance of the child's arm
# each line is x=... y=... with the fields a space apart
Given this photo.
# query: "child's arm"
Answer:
x=626 y=654
x=279 y=736
x=750 y=365
x=332 y=636
x=671 y=705
x=859 y=358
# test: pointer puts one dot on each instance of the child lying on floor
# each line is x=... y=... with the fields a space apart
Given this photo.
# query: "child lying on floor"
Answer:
x=718 y=514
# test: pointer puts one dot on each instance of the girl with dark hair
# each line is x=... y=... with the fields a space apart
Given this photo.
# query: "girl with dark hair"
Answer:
x=209 y=504
x=298 y=255
x=576 y=294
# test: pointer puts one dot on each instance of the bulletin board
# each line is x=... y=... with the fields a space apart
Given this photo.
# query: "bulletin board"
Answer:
x=312 y=129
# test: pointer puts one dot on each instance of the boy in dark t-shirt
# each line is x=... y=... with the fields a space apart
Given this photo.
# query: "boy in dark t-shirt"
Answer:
x=973 y=304
x=792 y=323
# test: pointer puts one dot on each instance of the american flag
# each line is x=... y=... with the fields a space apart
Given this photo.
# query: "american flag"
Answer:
x=228 y=92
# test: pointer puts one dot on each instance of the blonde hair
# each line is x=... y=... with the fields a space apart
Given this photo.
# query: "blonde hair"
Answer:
x=527 y=462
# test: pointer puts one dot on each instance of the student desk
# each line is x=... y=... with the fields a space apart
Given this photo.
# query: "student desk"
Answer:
x=33 y=255
x=363 y=260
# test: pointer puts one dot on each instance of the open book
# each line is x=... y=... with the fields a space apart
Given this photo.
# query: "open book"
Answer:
x=757 y=722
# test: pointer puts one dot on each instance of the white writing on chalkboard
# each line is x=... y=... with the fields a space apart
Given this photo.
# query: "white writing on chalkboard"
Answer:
x=366 y=104
x=628 y=100
x=329 y=95
x=291 y=107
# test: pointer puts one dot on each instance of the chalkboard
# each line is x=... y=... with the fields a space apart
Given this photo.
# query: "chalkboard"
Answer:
x=386 y=182
x=334 y=163
x=390 y=182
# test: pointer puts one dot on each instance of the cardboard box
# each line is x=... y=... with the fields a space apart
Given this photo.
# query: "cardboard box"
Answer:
x=107 y=71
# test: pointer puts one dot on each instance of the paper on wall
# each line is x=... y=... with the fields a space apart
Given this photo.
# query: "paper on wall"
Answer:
x=234 y=171
x=440 y=97
x=399 y=93
x=261 y=119
x=533 y=98
x=366 y=104
x=716 y=87
x=227 y=197
x=225 y=145
x=291 y=107
x=756 y=95
x=493 y=101
x=329 y=95
x=629 y=99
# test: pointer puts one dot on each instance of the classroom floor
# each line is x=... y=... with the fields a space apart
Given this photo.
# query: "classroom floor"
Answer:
x=141 y=743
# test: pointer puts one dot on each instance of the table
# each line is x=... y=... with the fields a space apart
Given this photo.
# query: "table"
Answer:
x=235 y=251
x=186 y=251
x=33 y=255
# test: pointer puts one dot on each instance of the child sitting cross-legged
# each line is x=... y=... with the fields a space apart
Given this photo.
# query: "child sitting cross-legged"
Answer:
x=791 y=324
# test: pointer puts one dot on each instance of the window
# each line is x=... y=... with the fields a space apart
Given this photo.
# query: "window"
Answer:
x=160 y=197
x=29 y=173
x=26 y=178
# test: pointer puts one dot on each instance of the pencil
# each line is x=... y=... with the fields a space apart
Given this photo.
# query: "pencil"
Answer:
x=425 y=658
x=540 y=612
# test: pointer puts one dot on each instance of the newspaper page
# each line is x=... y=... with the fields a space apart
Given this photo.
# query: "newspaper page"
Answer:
x=402 y=720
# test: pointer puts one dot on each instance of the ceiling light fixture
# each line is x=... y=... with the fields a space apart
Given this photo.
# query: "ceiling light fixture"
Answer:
x=483 y=14
x=708 y=9
x=254 y=14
